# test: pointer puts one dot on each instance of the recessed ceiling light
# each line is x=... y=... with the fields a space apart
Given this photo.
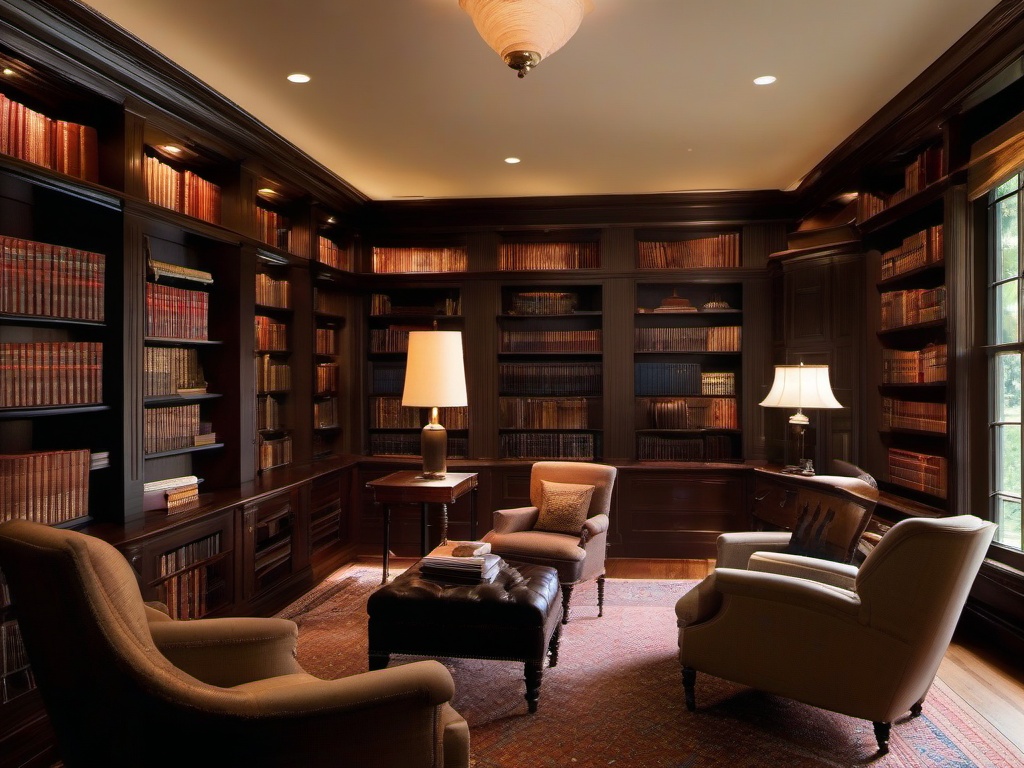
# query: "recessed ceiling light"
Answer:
x=299 y=77
x=512 y=160
x=171 y=148
x=8 y=71
x=764 y=80
x=266 y=191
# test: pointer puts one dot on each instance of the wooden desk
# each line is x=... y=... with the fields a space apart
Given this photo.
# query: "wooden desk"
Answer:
x=410 y=487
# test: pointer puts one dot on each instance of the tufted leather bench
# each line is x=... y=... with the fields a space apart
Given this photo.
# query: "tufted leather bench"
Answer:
x=517 y=617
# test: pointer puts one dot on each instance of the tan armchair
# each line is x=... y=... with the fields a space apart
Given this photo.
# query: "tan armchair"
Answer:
x=126 y=685
x=822 y=516
x=564 y=528
x=869 y=651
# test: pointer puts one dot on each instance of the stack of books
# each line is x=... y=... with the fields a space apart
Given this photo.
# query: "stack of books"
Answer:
x=173 y=494
x=456 y=569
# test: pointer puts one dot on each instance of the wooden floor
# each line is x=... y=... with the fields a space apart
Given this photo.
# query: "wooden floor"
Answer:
x=987 y=679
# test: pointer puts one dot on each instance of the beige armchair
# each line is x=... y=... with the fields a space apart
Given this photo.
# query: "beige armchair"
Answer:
x=870 y=650
x=126 y=685
x=822 y=516
x=566 y=526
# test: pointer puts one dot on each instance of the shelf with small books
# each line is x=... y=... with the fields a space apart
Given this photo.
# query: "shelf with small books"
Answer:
x=275 y=404
x=687 y=357
x=175 y=175
x=333 y=303
x=405 y=259
x=335 y=244
x=684 y=250
x=558 y=250
x=194 y=579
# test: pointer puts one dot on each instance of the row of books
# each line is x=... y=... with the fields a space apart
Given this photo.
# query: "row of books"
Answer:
x=725 y=338
x=328 y=302
x=177 y=313
x=325 y=413
x=173 y=427
x=268 y=413
x=926 y=168
x=271 y=336
x=163 y=269
x=919 y=471
x=50 y=373
x=17 y=677
x=396 y=444
x=717 y=383
x=171 y=371
x=551 y=341
x=48 y=487
x=387 y=412
x=275 y=452
x=387 y=378
x=534 y=256
x=271 y=292
x=441 y=259
x=544 y=303
x=394 y=338
x=544 y=412
x=652 y=379
x=182 y=191
x=908 y=414
x=326 y=375
x=914 y=366
x=451 y=569
x=916 y=251
x=325 y=341
x=548 y=445
x=549 y=378
x=384 y=304
x=189 y=555
x=273 y=228
x=47 y=280
x=59 y=145
x=912 y=306
x=716 y=251
x=185 y=594
x=329 y=253
x=272 y=375
x=703 y=448
x=689 y=413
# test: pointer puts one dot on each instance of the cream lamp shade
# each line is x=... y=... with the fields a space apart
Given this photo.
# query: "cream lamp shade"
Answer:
x=435 y=377
x=525 y=32
x=801 y=386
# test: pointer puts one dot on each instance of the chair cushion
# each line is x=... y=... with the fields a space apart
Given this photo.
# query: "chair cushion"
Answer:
x=563 y=507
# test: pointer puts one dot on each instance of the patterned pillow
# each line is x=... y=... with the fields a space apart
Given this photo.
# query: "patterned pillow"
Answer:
x=563 y=507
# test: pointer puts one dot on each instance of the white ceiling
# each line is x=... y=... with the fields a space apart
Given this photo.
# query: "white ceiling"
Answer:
x=650 y=96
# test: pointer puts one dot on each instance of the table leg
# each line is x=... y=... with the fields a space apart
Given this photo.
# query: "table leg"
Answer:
x=472 y=515
x=387 y=541
x=444 y=524
x=424 y=529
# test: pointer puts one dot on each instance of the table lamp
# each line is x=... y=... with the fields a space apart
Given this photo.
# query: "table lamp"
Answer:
x=801 y=386
x=435 y=377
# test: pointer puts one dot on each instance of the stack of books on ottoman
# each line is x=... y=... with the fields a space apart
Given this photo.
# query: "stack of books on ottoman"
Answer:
x=461 y=563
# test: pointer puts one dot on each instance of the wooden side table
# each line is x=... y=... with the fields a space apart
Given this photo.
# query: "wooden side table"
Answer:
x=410 y=487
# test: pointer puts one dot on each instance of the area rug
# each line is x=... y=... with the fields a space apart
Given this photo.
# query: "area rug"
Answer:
x=616 y=698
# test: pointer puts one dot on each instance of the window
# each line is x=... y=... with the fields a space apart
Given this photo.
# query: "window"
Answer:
x=1006 y=340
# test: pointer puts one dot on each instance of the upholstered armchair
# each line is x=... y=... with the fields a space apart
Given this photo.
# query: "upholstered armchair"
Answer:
x=126 y=685
x=869 y=650
x=565 y=527
x=822 y=516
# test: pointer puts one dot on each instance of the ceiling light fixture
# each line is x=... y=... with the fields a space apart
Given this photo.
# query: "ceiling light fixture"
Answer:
x=8 y=71
x=764 y=80
x=174 y=150
x=512 y=160
x=299 y=77
x=526 y=32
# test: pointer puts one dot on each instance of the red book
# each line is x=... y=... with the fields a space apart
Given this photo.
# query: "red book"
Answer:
x=89 y=157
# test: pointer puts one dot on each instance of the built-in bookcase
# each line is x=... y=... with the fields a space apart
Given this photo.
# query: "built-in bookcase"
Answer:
x=393 y=312
x=332 y=303
x=675 y=249
x=688 y=343
x=275 y=406
x=550 y=347
x=904 y=231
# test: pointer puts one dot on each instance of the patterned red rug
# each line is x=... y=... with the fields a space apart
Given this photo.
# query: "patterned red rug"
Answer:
x=616 y=697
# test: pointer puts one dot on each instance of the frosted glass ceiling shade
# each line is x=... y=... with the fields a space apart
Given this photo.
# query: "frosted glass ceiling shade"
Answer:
x=801 y=386
x=525 y=32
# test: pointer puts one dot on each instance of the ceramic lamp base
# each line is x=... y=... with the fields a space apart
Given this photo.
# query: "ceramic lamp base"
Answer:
x=434 y=447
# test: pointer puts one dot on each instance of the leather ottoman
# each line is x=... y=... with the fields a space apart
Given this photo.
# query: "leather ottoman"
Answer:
x=517 y=617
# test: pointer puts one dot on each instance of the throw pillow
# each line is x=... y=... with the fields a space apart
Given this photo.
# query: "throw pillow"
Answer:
x=563 y=507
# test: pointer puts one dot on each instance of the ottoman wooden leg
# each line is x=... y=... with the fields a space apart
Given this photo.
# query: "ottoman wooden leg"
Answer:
x=534 y=673
x=566 y=596
x=600 y=595
x=556 y=638
x=379 y=660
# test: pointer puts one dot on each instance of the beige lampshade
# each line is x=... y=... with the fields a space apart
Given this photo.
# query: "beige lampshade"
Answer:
x=525 y=32
x=435 y=376
x=801 y=386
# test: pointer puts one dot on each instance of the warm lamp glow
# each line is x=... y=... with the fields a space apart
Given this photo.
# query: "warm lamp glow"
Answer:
x=801 y=386
x=525 y=32
x=435 y=377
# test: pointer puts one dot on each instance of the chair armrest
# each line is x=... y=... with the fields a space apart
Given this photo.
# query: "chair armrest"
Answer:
x=840 y=575
x=735 y=549
x=157 y=612
x=804 y=594
x=593 y=526
x=515 y=520
x=227 y=652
